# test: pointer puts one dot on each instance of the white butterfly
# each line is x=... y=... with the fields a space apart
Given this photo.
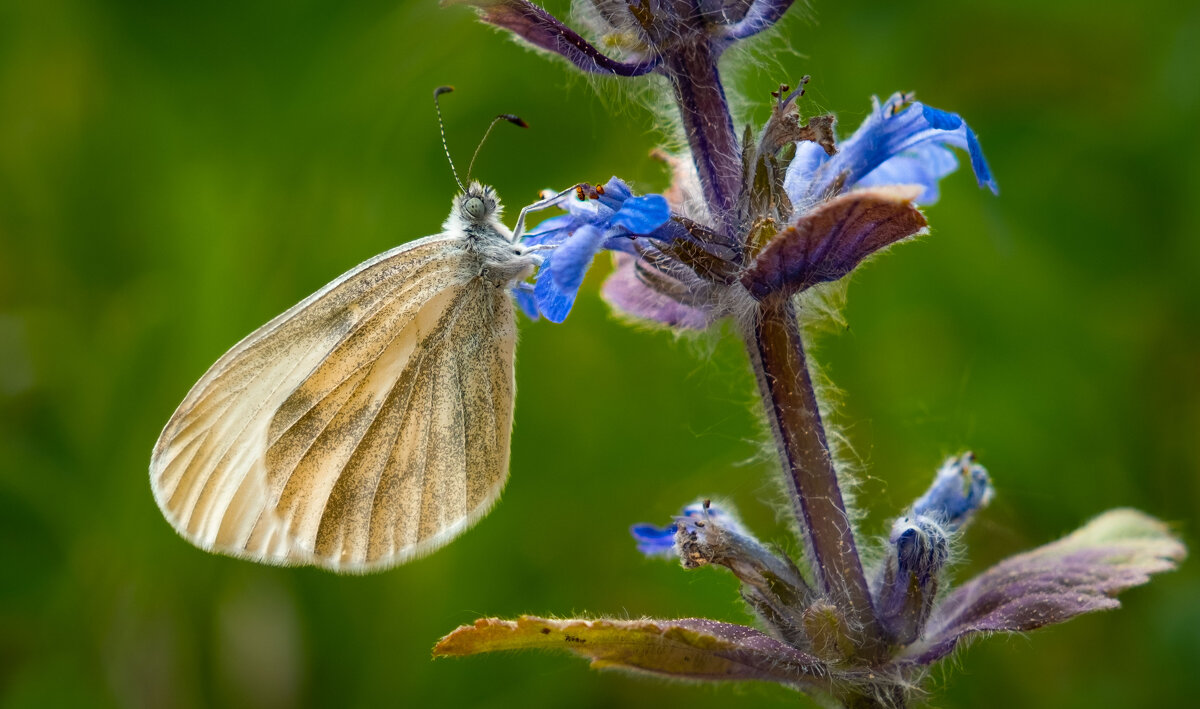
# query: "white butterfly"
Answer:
x=370 y=423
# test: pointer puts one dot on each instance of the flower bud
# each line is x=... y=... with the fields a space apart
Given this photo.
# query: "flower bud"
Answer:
x=908 y=585
x=960 y=487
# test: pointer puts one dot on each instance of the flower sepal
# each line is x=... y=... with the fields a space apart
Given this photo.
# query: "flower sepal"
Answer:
x=765 y=162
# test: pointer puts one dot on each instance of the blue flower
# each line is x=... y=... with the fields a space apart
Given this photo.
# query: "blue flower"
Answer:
x=897 y=144
x=960 y=487
x=606 y=221
x=660 y=541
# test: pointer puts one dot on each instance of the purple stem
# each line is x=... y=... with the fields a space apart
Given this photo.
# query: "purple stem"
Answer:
x=776 y=351
x=774 y=344
x=704 y=111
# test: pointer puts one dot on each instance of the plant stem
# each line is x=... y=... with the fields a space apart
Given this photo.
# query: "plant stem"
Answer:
x=704 y=111
x=773 y=340
x=776 y=351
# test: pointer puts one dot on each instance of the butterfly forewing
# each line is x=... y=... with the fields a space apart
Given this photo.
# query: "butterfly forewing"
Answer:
x=366 y=425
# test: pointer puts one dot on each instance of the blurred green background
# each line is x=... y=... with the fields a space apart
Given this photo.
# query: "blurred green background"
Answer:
x=172 y=175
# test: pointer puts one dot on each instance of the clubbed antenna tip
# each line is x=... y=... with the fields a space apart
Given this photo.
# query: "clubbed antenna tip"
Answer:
x=515 y=120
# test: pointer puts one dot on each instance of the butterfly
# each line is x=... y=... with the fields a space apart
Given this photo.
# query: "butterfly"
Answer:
x=370 y=423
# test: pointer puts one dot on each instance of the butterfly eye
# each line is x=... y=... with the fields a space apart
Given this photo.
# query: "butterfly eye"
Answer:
x=474 y=207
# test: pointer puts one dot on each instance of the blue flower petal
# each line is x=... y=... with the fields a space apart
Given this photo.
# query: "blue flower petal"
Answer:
x=551 y=231
x=553 y=302
x=642 y=215
x=702 y=512
x=585 y=210
x=983 y=173
x=622 y=243
x=809 y=157
x=654 y=541
x=939 y=119
x=615 y=192
x=573 y=257
x=526 y=300
x=892 y=132
x=924 y=165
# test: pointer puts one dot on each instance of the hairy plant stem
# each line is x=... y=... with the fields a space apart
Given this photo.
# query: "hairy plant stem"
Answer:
x=773 y=341
x=776 y=350
x=708 y=125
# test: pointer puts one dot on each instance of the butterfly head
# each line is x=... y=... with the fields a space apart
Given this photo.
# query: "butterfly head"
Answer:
x=477 y=205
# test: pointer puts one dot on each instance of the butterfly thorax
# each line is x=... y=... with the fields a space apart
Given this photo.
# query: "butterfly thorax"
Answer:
x=475 y=218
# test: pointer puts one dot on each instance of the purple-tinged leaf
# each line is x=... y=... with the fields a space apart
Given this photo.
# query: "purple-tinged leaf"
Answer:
x=687 y=648
x=1080 y=573
x=761 y=15
x=828 y=242
x=543 y=30
x=626 y=292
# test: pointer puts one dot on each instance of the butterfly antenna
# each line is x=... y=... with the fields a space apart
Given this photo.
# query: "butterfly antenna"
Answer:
x=442 y=128
x=515 y=120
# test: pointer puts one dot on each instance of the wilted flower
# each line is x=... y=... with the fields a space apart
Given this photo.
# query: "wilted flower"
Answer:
x=695 y=518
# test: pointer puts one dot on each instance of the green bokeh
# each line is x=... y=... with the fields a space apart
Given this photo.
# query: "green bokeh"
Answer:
x=172 y=175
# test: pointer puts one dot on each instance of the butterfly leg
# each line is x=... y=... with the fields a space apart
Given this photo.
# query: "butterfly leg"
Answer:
x=541 y=204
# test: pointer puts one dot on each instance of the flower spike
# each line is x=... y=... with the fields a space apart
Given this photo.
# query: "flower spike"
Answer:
x=755 y=219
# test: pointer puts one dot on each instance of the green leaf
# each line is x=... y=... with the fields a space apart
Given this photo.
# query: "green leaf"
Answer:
x=688 y=648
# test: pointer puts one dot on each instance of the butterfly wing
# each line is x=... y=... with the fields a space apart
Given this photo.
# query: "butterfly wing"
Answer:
x=366 y=425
